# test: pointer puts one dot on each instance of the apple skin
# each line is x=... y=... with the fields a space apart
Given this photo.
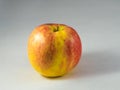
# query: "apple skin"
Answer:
x=54 y=49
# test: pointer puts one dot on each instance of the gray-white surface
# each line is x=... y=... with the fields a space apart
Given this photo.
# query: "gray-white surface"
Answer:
x=96 y=21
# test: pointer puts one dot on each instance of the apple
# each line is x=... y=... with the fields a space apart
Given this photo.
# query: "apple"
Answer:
x=54 y=49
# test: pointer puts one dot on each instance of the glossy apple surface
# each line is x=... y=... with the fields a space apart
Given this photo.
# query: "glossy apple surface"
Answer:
x=54 y=49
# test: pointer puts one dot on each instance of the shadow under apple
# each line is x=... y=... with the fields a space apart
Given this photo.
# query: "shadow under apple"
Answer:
x=96 y=63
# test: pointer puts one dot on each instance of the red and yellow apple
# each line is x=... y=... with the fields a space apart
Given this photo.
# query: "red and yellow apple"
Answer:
x=54 y=49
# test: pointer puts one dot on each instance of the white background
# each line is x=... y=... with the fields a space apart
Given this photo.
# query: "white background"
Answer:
x=96 y=21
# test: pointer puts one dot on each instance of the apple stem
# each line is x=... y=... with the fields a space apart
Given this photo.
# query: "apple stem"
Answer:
x=57 y=29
